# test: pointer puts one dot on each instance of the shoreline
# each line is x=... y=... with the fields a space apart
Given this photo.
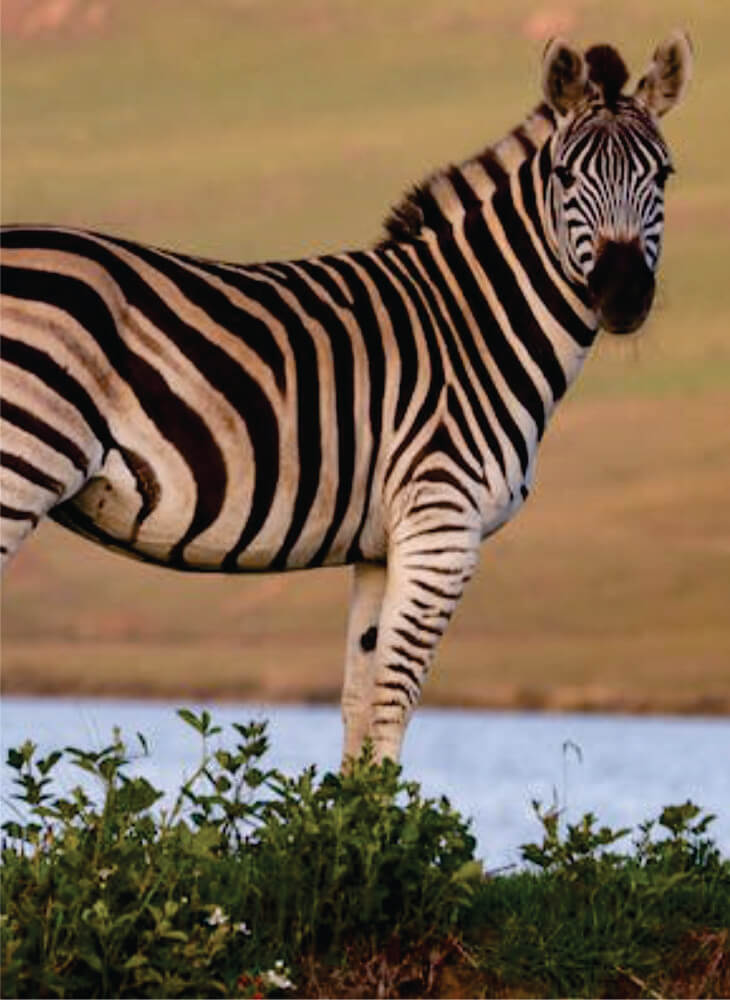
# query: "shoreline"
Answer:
x=560 y=699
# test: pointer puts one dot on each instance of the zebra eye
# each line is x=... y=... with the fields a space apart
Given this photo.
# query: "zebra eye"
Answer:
x=566 y=178
x=663 y=174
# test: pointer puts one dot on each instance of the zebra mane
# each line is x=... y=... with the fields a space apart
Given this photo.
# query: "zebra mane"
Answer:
x=485 y=173
x=607 y=70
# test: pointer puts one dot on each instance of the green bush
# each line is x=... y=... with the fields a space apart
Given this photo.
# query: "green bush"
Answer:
x=250 y=874
x=595 y=922
x=256 y=884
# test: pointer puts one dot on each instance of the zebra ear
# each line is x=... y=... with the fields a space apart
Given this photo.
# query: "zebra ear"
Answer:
x=664 y=83
x=564 y=76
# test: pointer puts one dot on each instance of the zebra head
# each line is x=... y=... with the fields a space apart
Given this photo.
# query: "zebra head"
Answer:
x=605 y=191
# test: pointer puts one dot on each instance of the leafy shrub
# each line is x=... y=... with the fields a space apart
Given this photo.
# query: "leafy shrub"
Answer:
x=253 y=883
x=595 y=922
x=249 y=874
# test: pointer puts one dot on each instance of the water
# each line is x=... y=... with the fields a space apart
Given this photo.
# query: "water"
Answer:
x=490 y=764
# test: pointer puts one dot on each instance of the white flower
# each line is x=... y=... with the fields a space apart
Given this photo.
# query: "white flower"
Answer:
x=277 y=979
x=217 y=917
x=242 y=928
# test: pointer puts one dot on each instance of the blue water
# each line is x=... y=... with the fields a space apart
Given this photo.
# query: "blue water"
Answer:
x=489 y=764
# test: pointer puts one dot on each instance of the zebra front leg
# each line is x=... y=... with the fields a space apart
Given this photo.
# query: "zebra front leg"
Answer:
x=428 y=568
x=366 y=600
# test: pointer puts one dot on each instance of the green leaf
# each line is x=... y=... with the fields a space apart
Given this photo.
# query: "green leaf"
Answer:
x=136 y=795
x=191 y=718
x=91 y=959
x=15 y=759
x=136 y=961
x=45 y=765
x=470 y=871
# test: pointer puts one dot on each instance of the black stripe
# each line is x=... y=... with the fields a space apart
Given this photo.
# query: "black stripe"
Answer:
x=521 y=318
x=582 y=334
x=13 y=514
x=372 y=338
x=344 y=391
x=442 y=529
x=493 y=168
x=318 y=274
x=235 y=320
x=148 y=487
x=403 y=332
x=414 y=640
x=24 y=468
x=399 y=668
x=396 y=686
x=441 y=443
x=492 y=335
x=540 y=280
x=309 y=437
x=56 y=440
x=438 y=570
x=417 y=623
x=448 y=338
x=462 y=330
x=437 y=591
x=528 y=146
x=436 y=505
x=411 y=657
x=427 y=330
x=444 y=476
x=51 y=374
x=459 y=417
x=254 y=285
x=449 y=550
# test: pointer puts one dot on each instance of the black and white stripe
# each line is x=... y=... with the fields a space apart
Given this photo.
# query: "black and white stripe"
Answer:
x=381 y=407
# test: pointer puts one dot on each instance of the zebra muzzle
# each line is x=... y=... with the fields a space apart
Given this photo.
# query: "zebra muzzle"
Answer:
x=622 y=286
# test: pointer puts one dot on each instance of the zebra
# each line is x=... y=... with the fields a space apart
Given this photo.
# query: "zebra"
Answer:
x=379 y=407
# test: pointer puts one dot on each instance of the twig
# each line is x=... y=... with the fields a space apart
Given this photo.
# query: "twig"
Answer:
x=640 y=983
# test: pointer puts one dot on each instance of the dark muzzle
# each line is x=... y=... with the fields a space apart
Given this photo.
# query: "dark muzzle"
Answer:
x=622 y=287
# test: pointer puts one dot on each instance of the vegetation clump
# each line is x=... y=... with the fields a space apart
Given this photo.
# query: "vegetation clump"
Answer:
x=253 y=883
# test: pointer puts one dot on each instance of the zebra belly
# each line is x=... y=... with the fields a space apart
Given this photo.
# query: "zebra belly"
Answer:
x=155 y=513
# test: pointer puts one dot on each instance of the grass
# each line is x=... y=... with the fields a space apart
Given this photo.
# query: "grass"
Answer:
x=258 y=884
x=254 y=130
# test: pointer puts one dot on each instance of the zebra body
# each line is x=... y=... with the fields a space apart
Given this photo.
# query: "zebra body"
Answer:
x=189 y=500
x=380 y=407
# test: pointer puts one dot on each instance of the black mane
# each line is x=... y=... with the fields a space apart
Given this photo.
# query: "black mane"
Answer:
x=417 y=210
x=406 y=219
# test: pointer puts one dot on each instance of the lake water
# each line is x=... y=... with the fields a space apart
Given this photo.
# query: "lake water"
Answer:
x=489 y=764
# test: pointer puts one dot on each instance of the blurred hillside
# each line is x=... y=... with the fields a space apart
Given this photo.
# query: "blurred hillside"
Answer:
x=255 y=129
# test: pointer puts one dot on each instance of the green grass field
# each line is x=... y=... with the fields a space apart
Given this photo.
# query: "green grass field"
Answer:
x=247 y=130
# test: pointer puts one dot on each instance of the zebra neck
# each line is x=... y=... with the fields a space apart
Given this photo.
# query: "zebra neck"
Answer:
x=494 y=168
x=491 y=212
x=437 y=204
